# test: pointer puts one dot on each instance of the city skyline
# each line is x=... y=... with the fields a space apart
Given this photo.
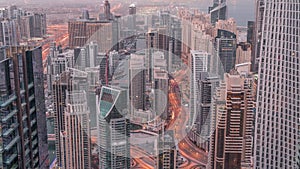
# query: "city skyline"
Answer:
x=155 y=85
x=242 y=10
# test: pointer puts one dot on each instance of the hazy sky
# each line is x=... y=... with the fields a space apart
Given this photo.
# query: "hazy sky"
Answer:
x=241 y=10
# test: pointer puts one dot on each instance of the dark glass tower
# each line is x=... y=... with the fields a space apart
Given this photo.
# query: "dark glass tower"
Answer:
x=23 y=139
x=218 y=11
x=225 y=44
x=107 y=13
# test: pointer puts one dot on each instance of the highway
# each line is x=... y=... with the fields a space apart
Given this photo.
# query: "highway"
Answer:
x=142 y=158
x=57 y=33
x=195 y=156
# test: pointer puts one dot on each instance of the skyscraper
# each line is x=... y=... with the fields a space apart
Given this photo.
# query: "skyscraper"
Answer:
x=23 y=140
x=8 y=33
x=167 y=153
x=157 y=40
x=77 y=33
x=199 y=62
x=232 y=123
x=175 y=43
x=243 y=53
x=161 y=91
x=206 y=89
x=76 y=136
x=218 y=11
x=32 y=25
x=131 y=18
x=114 y=59
x=225 y=45
x=113 y=129
x=260 y=7
x=67 y=81
x=82 y=32
x=250 y=32
x=103 y=68
x=57 y=62
x=278 y=102
x=132 y=9
x=37 y=25
x=86 y=56
x=107 y=13
x=85 y=15
x=137 y=82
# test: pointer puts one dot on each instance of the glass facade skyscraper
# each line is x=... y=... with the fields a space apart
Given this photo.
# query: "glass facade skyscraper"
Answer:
x=225 y=45
x=199 y=63
x=23 y=138
x=218 y=11
x=113 y=129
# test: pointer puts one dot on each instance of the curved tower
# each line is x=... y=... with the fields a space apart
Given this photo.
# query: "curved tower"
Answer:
x=278 y=99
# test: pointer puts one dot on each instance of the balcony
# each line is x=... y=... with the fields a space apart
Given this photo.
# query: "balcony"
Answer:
x=31 y=98
x=32 y=110
x=15 y=166
x=25 y=130
x=10 y=115
x=27 y=152
x=10 y=130
x=34 y=142
x=10 y=159
x=12 y=143
x=33 y=134
x=24 y=117
x=33 y=122
x=35 y=152
x=30 y=85
x=36 y=162
x=6 y=100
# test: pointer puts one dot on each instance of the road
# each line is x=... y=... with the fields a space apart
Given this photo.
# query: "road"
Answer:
x=195 y=156
x=142 y=158
x=58 y=34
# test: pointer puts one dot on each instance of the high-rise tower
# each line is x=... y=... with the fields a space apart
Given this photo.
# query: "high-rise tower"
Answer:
x=257 y=34
x=199 y=63
x=206 y=89
x=278 y=102
x=167 y=153
x=75 y=140
x=68 y=81
x=113 y=127
x=107 y=13
x=132 y=9
x=225 y=45
x=137 y=82
x=23 y=133
x=218 y=11
x=232 y=122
